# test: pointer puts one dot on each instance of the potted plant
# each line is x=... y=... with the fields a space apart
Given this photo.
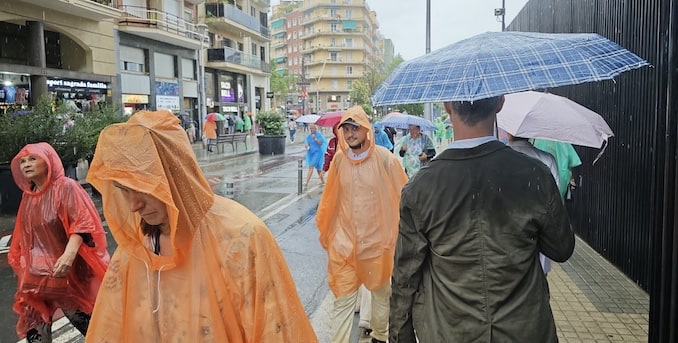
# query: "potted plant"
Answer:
x=272 y=139
x=45 y=122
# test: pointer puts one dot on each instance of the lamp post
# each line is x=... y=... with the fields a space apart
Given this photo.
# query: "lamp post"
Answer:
x=202 y=107
x=500 y=13
x=317 y=87
x=428 y=107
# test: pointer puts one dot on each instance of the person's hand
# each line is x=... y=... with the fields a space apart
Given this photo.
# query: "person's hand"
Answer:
x=63 y=264
x=404 y=147
x=423 y=156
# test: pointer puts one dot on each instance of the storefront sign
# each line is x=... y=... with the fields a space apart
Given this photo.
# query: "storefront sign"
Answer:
x=135 y=99
x=76 y=84
x=229 y=108
x=167 y=102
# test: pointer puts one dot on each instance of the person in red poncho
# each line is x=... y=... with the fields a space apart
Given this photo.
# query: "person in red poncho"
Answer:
x=331 y=149
x=58 y=248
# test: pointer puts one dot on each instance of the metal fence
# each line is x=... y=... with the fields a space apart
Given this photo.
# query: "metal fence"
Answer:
x=625 y=204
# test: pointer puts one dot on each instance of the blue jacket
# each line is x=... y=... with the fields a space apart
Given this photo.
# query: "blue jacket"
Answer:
x=380 y=137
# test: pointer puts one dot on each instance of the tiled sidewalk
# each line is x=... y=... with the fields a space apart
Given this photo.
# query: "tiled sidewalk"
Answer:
x=593 y=301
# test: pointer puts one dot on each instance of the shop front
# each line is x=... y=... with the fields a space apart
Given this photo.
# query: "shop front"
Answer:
x=134 y=102
x=79 y=95
x=14 y=91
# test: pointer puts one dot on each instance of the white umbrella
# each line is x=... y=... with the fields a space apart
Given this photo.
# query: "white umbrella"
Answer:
x=308 y=119
x=549 y=116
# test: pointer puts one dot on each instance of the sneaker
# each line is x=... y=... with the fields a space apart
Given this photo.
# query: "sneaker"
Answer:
x=374 y=340
x=365 y=332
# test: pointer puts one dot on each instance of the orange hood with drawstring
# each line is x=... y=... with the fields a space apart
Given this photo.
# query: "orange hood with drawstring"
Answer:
x=226 y=279
x=358 y=213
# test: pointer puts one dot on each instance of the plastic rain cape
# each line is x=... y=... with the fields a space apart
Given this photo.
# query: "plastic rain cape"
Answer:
x=226 y=280
x=358 y=213
x=44 y=222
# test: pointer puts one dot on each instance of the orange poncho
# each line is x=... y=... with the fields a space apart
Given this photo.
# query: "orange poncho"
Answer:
x=45 y=221
x=358 y=214
x=226 y=280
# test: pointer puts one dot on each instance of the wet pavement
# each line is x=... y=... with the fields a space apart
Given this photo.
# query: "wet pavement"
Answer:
x=592 y=300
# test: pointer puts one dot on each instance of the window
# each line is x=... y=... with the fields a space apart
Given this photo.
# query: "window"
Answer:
x=349 y=84
x=333 y=12
x=254 y=49
x=294 y=35
x=349 y=56
x=333 y=42
x=348 y=42
x=289 y=49
x=295 y=48
x=349 y=70
x=334 y=27
x=334 y=56
x=132 y=66
x=333 y=2
x=335 y=85
x=347 y=13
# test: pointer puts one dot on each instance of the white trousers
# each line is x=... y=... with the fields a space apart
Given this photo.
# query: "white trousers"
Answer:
x=343 y=314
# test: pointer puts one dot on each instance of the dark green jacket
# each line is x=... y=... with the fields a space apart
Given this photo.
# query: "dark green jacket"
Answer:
x=466 y=263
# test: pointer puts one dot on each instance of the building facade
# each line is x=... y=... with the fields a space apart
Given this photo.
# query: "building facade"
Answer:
x=64 y=49
x=237 y=69
x=329 y=44
x=136 y=54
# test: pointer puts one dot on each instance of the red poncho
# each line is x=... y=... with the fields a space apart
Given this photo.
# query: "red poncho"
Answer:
x=45 y=221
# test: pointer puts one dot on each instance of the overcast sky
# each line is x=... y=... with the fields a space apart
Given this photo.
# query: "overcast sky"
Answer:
x=404 y=21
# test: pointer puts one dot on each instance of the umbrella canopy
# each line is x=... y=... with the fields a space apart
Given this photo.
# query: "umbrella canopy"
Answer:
x=496 y=63
x=549 y=116
x=330 y=119
x=308 y=119
x=391 y=114
x=215 y=117
x=403 y=121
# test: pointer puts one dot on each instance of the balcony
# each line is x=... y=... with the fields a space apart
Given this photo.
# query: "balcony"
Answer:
x=215 y=14
x=160 y=26
x=234 y=56
x=95 y=10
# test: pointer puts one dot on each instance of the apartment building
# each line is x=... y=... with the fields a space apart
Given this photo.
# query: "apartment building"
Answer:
x=66 y=49
x=137 y=54
x=329 y=44
x=237 y=70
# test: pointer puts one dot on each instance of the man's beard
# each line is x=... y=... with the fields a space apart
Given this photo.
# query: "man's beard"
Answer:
x=356 y=146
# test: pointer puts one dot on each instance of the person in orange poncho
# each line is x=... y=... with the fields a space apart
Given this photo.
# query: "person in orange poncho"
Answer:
x=190 y=266
x=58 y=248
x=358 y=223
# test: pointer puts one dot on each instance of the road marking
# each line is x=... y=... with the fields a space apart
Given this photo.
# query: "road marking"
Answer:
x=278 y=206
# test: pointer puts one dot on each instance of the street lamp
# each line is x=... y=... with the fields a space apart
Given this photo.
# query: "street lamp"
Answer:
x=202 y=108
x=500 y=13
x=317 y=88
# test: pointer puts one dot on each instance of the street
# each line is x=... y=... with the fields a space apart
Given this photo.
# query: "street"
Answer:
x=267 y=185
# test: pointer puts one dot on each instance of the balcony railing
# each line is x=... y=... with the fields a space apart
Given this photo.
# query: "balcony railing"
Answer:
x=231 y=55
x=141 y=16
x=221 y=10
x=104 y=2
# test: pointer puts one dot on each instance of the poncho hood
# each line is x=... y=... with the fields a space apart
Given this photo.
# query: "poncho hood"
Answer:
x=358 y=115
x=55 y=168
x=150 y=153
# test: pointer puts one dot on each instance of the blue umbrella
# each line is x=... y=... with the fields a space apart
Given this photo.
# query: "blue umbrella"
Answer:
x=496 y=63
x=403 y=121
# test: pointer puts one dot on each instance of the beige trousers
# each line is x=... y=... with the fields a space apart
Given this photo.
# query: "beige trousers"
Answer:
x=343 y=314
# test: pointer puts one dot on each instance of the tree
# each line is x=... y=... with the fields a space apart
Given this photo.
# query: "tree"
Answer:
x=281 y=83
x=360 y=92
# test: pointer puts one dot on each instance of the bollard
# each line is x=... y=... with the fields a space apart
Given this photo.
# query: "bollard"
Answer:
x=229 y=190
x=300 y=169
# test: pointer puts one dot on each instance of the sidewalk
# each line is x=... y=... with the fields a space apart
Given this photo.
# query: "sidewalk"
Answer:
x=592 y=301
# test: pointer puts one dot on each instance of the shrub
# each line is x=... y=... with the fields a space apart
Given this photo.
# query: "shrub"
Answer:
x=271 y=123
